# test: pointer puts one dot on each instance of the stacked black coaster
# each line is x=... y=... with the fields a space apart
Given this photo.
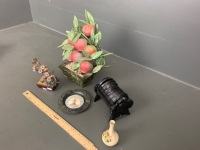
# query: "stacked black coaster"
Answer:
x=116 y=99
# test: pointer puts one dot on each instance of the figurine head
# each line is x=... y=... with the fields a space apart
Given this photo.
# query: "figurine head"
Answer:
x=37 y=66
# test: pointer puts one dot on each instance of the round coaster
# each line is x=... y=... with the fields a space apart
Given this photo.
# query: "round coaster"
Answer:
x=74 y=101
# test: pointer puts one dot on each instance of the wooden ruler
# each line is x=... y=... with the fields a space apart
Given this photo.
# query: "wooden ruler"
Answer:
x=60 y=121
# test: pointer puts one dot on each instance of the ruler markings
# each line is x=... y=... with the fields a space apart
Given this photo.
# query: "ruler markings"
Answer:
x=80 y=138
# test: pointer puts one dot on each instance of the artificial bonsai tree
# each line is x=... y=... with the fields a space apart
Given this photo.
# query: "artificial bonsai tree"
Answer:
x=82 y=52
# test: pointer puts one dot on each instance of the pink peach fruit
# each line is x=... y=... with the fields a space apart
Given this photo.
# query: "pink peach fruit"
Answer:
x=75 y=55
x=69 y=58
x=87 y=29
x=86 y=66
x=80 y=44
x=89 y=50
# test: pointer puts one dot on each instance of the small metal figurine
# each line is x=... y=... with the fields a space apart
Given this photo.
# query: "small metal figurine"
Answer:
x=37 y=66
x=48 y=81
x=116 y=99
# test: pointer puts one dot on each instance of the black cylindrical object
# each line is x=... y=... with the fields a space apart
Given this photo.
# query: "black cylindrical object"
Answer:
x=116 y=99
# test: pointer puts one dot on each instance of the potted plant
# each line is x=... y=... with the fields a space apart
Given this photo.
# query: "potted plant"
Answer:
x=82 y=52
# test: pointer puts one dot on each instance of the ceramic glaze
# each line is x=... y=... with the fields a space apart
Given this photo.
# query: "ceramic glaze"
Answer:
x=74 y=101
x=110 y=137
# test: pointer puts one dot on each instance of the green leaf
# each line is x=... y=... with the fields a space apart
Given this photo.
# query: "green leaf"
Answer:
x=84 y=22
x=68 y=47
x=86 y=17
x=63 y=53
x=84 y=58
x=96 y=27
x=71 y=35
x=90 y=18
x=97 y=38
x=76 y=38
x=64 y=43
x=99 y=35
x=92 y=36
x=75 y=22
x=101 y=61
x=96 y=54
x=85 y=37
x=97 y=69
x=66 y=55
x=75 y=66
x=79 y=29
x=89 y=74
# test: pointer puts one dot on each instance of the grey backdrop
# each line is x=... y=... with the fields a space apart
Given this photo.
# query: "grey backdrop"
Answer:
x=14 y=12
x=162 y=35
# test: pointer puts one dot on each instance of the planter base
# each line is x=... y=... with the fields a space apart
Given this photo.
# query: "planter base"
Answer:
x=80 y=79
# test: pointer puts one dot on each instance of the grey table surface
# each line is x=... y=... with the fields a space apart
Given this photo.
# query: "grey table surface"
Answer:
x=165 y=115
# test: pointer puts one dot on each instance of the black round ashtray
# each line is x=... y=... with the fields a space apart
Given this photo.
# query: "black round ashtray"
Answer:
x=74 y=101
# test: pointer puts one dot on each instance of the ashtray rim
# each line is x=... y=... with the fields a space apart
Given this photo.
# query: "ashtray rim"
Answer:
x=83 y=93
